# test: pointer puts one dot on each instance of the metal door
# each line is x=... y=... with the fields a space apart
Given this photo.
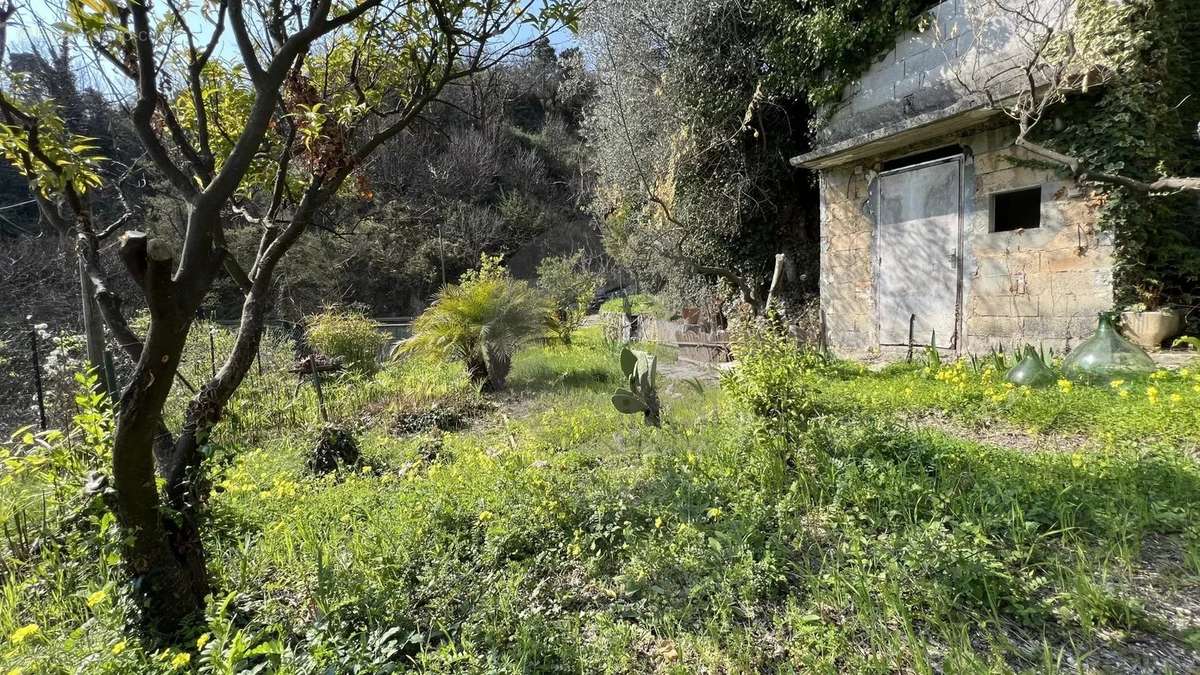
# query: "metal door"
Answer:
x=919 y=245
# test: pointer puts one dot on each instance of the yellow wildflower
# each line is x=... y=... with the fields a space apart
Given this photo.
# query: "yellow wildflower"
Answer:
x=203 y=640
x=1124 y=393
x=1065 y=386
x=658 y=522
x=16 y=671
x=119 y=647
x=180 y=660
x=96 y=598
x=1176 y=398
x=23 y=633
x=485 y=516
x=714 y=512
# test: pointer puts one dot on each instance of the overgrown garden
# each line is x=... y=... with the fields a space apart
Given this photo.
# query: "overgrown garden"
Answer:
x=243 y=472
x=800 y=514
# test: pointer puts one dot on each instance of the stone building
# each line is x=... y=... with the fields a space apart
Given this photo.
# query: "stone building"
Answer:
x=931 y=220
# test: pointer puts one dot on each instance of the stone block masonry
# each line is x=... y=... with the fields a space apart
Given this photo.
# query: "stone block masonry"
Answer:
x=1043 y=286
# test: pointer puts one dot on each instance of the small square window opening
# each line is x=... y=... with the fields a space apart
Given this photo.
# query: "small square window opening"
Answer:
x=1017 y=210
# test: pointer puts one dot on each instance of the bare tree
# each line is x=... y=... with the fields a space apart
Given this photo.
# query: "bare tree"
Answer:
x=313 y=91
x=1031 y=55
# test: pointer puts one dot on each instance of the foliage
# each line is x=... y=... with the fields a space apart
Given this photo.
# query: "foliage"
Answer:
x=1142 y=123
x=688 y=149
x=335 y=448
x=1157 y=407
x=639 y=304
x=775 y=377
x=480 y=321
x=41 y=147
x=570 y=287
x=349 y=336
x=814 y=49
x=701 y=105
x=546 y=541
x=640 y=394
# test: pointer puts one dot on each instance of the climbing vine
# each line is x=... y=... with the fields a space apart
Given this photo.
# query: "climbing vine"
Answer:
x=712 y=99
x=1142 y=124
x=815 y=48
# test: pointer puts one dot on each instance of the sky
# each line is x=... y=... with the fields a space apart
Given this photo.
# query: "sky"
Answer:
x=31 y=13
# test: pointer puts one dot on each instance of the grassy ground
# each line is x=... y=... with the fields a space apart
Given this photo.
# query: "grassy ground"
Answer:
x=919 y=519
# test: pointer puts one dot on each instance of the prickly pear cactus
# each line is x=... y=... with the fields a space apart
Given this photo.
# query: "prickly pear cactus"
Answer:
x=641 y=394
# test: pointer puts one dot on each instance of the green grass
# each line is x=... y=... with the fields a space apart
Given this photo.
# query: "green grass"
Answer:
x=554 y=534
x=1164 y=407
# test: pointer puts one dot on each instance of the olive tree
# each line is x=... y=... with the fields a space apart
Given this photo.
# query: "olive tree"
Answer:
x=256 y=112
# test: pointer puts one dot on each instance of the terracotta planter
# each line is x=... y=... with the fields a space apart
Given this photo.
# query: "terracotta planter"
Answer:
x=1150 y=329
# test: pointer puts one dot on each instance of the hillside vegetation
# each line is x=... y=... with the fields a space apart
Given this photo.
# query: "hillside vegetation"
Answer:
x=806 y=516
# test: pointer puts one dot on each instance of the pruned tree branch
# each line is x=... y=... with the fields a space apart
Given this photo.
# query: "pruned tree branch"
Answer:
x=1050 y=66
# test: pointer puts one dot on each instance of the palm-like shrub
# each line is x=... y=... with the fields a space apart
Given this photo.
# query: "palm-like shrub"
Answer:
x=481 y=321
x=348 y=336
x=570 y=288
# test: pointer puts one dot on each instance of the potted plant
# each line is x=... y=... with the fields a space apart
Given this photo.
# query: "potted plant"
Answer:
x=1149 y=323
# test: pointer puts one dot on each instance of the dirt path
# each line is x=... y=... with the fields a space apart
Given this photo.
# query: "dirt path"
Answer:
x=708 y=373
x=997 y=433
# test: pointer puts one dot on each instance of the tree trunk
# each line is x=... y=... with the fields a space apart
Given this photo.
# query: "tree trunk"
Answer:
x=498 y=367
x=477 y=369
x=93 y=332
x=162 y=552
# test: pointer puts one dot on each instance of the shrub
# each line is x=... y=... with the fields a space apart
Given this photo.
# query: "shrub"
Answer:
x=570 y=288
x=774 y=377
x=641 y=303
x=481 y=321
x=348 y=336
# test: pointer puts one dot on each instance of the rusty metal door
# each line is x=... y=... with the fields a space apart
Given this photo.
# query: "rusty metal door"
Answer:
x=919 y=253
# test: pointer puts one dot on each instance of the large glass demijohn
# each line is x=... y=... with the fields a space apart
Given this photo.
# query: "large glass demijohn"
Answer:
x=1032 y=371
x=1106 y=356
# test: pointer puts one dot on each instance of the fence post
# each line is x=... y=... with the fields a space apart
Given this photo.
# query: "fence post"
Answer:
x=912 y=320
x=212 y=351
x=93 y=332
x=316 y=373
x=37 y=373
x=110 y=372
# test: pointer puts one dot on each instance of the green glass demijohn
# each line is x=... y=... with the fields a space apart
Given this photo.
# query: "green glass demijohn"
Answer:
x=1106 y=356
x=1032 y=371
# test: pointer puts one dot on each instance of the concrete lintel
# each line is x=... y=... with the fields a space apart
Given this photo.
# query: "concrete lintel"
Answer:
x=962 y=115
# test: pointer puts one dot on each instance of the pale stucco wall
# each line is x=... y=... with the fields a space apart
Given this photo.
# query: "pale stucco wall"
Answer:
x=1043 y=286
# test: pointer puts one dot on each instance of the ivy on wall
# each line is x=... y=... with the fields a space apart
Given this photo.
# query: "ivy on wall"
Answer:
x=815 y=48
x=1143 y=123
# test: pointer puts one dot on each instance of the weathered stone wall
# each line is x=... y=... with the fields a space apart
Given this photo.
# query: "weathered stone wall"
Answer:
x=847 y=255
x=1043 y=286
